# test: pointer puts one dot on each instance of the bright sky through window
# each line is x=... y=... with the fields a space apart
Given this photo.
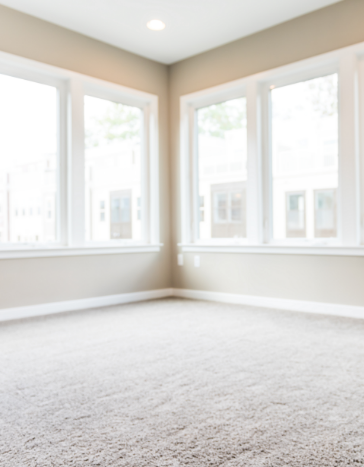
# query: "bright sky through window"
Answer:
x=28 y=161
x=28 y=120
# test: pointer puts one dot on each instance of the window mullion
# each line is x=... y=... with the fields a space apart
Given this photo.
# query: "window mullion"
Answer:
x=146 y=207
x=195 y=207
x=264 y=118
x=348 y=151
x=254 y=198
x=185 y=171
x=361 y=142
x=62 y=165
x=76 y=164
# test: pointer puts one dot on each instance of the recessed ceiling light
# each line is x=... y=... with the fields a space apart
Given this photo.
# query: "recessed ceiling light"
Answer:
x=156 y=25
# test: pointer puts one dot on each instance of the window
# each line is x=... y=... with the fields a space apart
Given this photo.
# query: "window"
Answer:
x=202 y=209
x=279 y=170
x=295 y=215
x=29 y=159
x=113 y=164
x=229 y=209
x=79 y=170
x=304 y=155
x=221 y=209
x=325 y=213
x=120 y=215
x=102 y=211
x=222 y=171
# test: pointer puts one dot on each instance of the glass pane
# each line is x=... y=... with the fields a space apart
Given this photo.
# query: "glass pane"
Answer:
x=221 y=207
x=202 y=208
x=125 y=209
x=115 y=211
x=325 y=213
x=222 y=171
x=113 y=170
x=295 y=216
x=304 y=155
x=28 y=161
x=236 y=207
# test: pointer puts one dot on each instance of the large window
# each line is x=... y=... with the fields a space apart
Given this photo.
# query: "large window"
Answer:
x=29 y=162
x=79 y=171
x=113 y=170
x=222 y=170
x=305 y=158
x=281 y=169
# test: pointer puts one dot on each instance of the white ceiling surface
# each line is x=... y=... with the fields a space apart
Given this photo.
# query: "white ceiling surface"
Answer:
x=192 y=26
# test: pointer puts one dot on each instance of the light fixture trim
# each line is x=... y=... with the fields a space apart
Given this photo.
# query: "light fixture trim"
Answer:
x=155 y=25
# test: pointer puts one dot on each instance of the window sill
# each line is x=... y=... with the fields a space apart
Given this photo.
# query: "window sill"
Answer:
x=43 y=252
x=276 y=249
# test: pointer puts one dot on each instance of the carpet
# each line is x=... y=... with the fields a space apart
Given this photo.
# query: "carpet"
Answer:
x=182 y=383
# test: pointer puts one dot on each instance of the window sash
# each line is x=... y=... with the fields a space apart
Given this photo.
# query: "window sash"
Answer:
x=61 y=176
x=137 y=209
x=304 y=75
x=193 y=197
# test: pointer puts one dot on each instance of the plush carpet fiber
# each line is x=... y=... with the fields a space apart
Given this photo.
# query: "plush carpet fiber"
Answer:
x=177 y=382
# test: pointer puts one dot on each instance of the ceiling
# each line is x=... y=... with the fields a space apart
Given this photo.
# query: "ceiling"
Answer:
x=192 y=26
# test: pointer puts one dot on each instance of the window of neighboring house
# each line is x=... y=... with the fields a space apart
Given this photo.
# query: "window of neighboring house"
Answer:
x=102 y=211
x=29 y=116
x=295 y=215
x=113 y=160
x=325 y=213
x=229 y=207
x=120 y=215
x=222 y=171
x=305 y=158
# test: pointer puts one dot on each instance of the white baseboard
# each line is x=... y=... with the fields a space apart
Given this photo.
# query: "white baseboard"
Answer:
x=82 y=304
x=348 y=311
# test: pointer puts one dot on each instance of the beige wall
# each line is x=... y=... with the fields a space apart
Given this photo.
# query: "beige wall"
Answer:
x=318 y=278
x=43 y=280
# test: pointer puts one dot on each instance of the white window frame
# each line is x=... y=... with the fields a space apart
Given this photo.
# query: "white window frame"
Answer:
x=16 y=70
x=277 y=81
x=71 y=147
x=349 y=64
x=189 y=161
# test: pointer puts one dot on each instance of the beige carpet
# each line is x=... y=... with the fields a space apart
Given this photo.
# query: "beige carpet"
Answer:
x=182 y=383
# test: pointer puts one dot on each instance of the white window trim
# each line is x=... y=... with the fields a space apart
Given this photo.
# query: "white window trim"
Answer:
x=348 y=62
x=71 y=213
x=274 y=249
x=51 y=251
